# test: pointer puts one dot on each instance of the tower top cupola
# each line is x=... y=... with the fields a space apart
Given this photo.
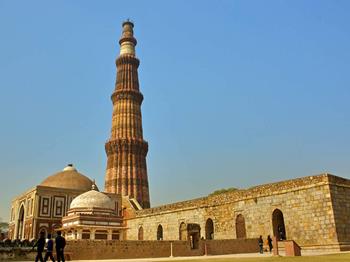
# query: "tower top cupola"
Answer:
x=127 y=41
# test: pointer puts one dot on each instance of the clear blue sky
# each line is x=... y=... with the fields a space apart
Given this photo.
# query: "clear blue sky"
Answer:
x=237 y=93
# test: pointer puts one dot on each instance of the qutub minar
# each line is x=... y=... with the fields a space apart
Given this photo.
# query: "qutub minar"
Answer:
x=126 y=149
x=314 y=211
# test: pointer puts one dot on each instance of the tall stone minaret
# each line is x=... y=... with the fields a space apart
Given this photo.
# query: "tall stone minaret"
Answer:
x=126 y=150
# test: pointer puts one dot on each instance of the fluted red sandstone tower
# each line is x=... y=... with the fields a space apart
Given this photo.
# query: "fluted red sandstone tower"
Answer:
x=126 y=150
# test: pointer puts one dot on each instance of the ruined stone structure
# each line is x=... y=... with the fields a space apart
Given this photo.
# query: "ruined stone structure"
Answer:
x=314 y=211
x=126 y=150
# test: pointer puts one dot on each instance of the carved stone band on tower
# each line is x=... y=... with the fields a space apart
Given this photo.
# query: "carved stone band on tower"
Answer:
x=126 y=150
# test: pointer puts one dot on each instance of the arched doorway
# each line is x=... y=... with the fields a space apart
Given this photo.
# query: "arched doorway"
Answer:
x=101 y=234
x=140 y=234
x=160 y=232
x=278 y=226
x=183 y=231
x=115 y=235
x=193 y=232
x=86 y=234
x=209 y=229
x=240 y=227
x=20 y=223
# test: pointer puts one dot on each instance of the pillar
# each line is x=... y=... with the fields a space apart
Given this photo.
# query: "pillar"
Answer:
x=79 y=234
x=92 y=234
x=109 y=235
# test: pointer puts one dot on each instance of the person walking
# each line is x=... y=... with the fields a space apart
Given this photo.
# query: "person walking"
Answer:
x=40 y=244
x=261 y=245
x=60 y=244
x=49 y=249
x=269 y=242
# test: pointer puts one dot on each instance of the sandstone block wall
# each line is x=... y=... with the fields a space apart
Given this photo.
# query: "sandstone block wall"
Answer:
x=232 y=246
x=170 y=221
x=340 y=193
x=104 y=249
x=306 y=204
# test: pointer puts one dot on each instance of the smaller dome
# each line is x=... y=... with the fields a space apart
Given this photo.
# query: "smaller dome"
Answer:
x=91 y=200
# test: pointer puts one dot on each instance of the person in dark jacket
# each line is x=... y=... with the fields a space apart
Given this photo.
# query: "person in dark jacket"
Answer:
x=49 y=249
x=261 y=245
x=269 y=242
x=40 y=244
x=60 y=244
x=281 y=232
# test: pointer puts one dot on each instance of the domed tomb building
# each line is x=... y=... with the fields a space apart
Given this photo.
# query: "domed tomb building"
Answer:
x=42 y=207
x=94 y=215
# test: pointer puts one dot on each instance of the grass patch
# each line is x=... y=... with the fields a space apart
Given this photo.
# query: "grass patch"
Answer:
x=325 y=258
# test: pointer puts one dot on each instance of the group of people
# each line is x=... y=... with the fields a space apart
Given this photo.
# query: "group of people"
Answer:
x=60 y=243
x=261 y=244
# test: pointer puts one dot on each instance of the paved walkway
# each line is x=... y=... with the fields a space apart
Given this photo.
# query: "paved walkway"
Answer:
x=202 y=257
x=179 y=258
x=174 y=258
x=245 y=255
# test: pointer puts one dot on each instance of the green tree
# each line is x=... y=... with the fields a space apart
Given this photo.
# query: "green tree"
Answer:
x=3 y=226
x=224 y=190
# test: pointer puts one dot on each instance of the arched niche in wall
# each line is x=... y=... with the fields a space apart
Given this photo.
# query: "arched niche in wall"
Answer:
x=160 y=232
x=240 y=227
x=20 y=222
x=140 y=233
x=278 y=226
x=183 y=231
x=209 y=229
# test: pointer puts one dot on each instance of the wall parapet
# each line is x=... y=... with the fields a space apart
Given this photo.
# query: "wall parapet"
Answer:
x=245 y=194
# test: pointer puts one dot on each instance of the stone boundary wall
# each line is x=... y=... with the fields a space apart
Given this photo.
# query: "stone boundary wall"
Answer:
x=231 y=246
x=17 y=254
x=244 y=194
x=106 y=249
x=306 y=207
x=340 y=193
x=338 y=180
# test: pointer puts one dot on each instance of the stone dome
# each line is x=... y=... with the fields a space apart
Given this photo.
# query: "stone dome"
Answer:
x=91 y=200
x=68 y=178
